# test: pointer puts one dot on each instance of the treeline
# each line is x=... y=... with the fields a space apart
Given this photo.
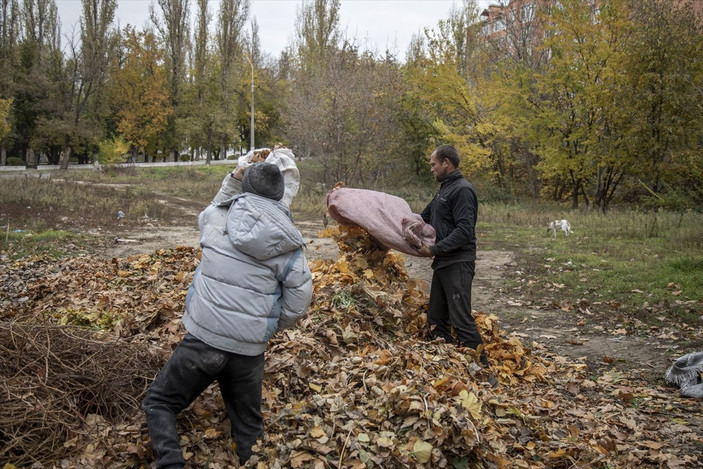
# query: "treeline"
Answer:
x=579 y=101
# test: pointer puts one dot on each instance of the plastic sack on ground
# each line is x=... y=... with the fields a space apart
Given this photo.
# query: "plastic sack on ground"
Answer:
x=387 y=218
x=686 y=373
x=285 y=160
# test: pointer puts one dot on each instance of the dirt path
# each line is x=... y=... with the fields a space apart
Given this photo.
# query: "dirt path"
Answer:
x=566 y=334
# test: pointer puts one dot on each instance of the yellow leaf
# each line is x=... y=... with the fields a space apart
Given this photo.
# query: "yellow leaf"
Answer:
x=342 y=266
x=315 y=387
x=317 y=432
x=422 y=451
x=211 y=433
x=558 y=454
x=384 y=442
x=470 y=402
x=440 y=382
x=368 y=273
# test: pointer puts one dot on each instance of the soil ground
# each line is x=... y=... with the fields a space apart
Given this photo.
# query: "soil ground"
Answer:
x=563 y=333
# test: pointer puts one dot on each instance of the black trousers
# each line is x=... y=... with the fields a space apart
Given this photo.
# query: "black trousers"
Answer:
x=450 y=305
x=193 y=366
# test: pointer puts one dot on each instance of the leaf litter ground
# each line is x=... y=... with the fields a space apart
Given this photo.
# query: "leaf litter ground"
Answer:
x=356 y=384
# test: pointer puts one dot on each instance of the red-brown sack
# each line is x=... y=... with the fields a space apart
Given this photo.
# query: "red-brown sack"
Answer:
x=387 y=218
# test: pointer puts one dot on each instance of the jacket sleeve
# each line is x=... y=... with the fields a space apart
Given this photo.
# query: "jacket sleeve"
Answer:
x=296 y=293
x=464 y=214
x=229 y=188
x=426 y=214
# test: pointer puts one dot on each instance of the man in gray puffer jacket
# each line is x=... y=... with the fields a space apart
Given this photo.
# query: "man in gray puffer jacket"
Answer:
x=253 y=280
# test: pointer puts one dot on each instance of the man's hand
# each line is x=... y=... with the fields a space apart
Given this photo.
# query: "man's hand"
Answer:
x=238 y=173
x=424 y=251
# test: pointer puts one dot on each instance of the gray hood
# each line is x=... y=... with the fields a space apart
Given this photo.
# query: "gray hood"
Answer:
x=261 y=228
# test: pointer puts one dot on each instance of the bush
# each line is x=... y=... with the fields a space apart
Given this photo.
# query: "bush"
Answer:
x=112 y=151
x=14 y=161
x=184 y=157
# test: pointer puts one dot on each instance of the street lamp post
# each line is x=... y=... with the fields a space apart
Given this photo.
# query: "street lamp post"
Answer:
x=251 y=133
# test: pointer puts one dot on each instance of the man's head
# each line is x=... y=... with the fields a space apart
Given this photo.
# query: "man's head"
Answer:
x=264 y=179
x=443 y=161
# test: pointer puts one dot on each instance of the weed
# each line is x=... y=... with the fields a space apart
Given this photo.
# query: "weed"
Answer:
x=343 y=299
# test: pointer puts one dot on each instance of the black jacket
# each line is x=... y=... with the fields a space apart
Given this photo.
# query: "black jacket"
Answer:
x=452 y=213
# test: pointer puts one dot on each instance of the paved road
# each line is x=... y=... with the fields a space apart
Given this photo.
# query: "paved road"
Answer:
x=50 y=169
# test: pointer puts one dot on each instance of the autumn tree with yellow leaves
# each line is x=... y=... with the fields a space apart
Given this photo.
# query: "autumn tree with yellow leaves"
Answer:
x=140 y=93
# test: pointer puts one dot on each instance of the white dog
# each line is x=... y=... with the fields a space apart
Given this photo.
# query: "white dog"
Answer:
x=562 y=225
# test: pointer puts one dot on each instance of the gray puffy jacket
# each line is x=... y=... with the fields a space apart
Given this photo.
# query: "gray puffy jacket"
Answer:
x=253 y=278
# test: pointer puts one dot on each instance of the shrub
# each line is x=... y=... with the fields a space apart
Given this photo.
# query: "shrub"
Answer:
x=14 y=161
x=112 y=151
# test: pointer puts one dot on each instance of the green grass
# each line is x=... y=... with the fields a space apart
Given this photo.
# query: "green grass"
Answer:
x=16 y=245
x=649 y=265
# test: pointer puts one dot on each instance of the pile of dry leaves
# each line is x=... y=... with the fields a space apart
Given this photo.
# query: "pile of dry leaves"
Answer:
x=356 y=384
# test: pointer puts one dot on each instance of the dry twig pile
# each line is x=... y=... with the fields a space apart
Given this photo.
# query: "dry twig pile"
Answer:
x=54 y=377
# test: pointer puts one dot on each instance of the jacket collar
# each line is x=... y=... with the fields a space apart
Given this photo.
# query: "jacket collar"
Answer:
x=453 y=176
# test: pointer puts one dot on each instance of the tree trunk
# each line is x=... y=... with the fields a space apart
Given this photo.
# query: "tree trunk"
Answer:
x=3 y=155
x=208 y=158
x=31 y=159
x=66 y=157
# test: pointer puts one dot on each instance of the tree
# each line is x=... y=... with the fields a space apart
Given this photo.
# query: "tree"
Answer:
x=85 y=99
x=229 y=49
x=569 y=109
x=342 y=115
x=317 y=32
x=270 y=94
x=5 y=105
x=448 y=96
x=664 y=67
x=9 y=31
x=37 y=75
x=204 y=94
x=338 y=110
x=174 y=33
x=140 y=92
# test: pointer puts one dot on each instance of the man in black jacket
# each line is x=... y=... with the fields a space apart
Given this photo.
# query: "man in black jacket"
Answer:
x=452 y=213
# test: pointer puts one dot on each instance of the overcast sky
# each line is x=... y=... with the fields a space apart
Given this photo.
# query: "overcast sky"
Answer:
x=376 y=24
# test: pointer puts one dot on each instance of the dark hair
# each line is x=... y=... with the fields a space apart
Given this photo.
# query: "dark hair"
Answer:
x=448 y=151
